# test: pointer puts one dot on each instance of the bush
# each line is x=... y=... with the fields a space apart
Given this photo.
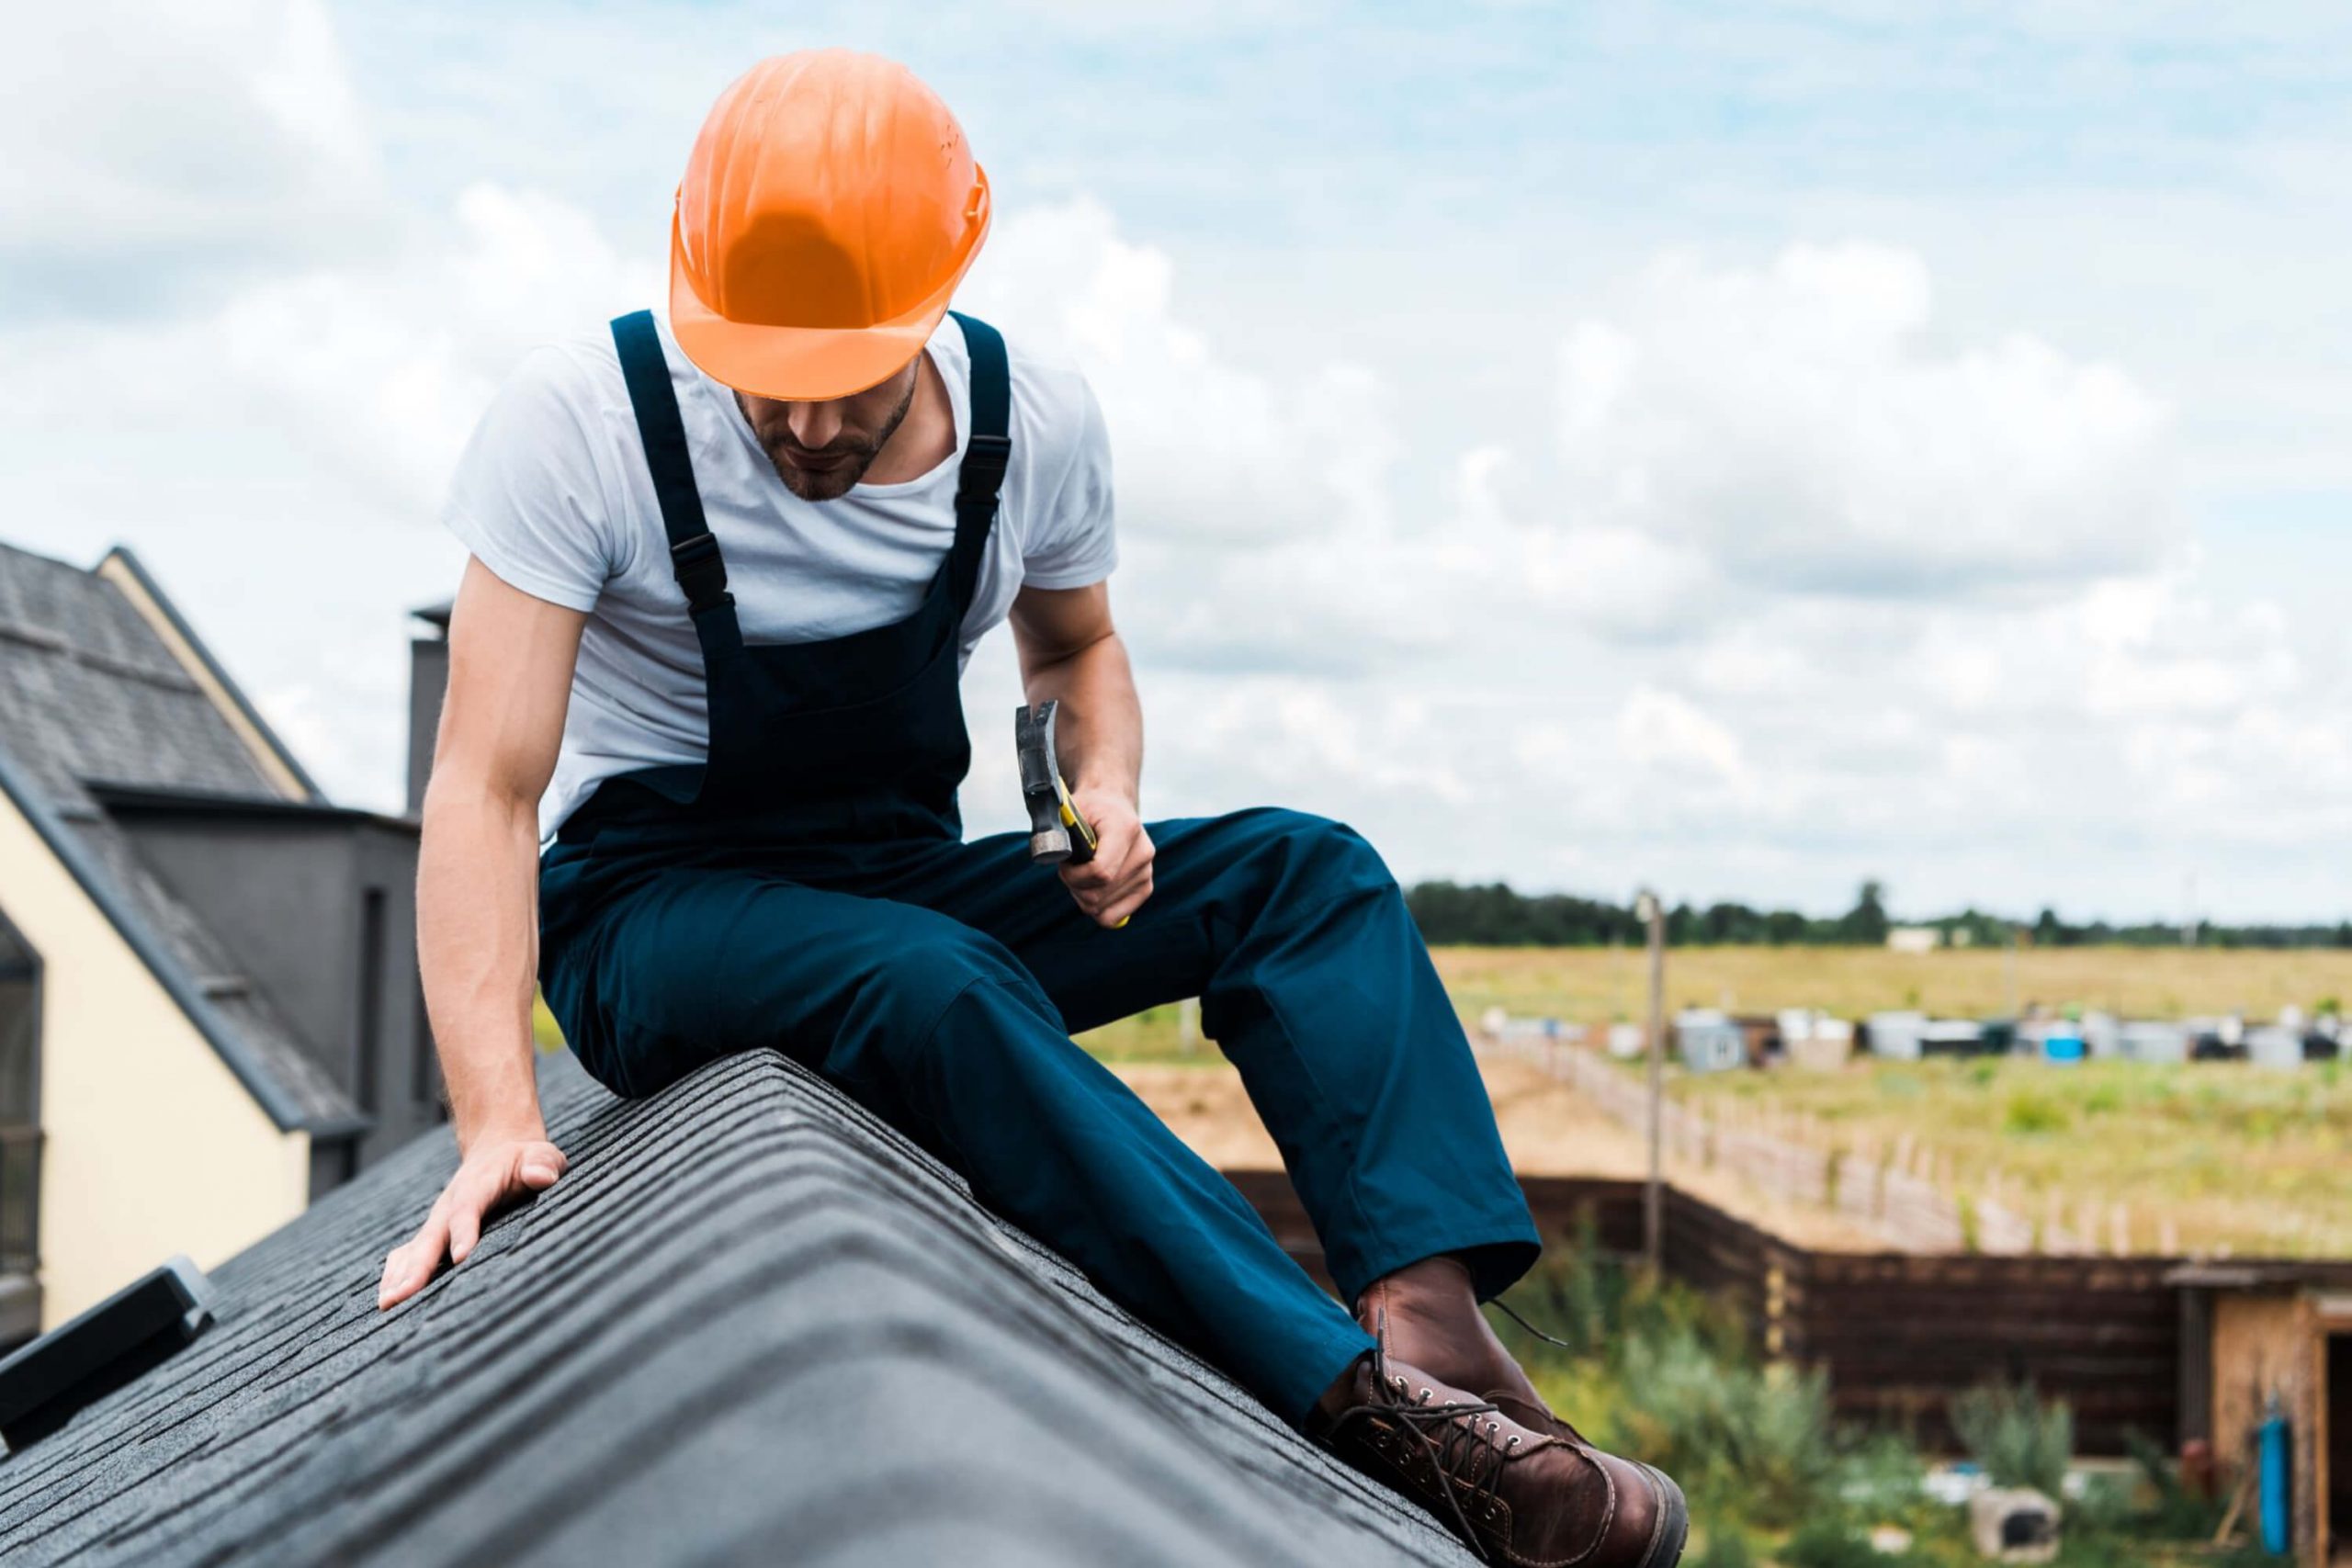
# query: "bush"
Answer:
x=1756 y=1437
x=2019 y=1439
x=1828 y=1543
x=2031 y=1113
x=1726 y=1548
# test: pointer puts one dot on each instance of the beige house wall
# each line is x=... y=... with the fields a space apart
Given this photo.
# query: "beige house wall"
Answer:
x=151 y=1146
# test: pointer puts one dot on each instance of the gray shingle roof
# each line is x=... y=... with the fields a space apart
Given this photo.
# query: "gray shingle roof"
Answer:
x=89 y=693
x=752 y=1325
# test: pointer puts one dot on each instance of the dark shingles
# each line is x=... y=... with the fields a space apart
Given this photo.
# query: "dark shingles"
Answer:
x=89 y=693
x=751 y=1325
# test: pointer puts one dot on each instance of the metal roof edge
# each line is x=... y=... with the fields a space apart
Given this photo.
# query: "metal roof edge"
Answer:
x=171 y=612
x=177 y=982
x=132 y=799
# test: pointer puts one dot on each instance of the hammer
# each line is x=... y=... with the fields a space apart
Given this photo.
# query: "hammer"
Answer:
x=1058 y=834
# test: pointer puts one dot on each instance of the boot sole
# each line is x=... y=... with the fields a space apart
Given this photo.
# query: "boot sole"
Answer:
x=1673 y=1523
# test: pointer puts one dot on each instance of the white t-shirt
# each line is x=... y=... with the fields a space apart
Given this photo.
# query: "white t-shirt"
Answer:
x=554 y=497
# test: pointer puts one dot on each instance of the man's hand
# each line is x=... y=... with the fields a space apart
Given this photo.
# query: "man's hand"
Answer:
x=497 y=1171
x=1114 y=883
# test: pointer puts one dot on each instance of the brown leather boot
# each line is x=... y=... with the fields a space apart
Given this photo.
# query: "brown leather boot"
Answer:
x=1513 y=1496
x=1427 y=1316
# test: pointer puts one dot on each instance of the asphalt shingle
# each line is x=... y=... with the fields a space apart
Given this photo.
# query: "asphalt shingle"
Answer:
x=751 y=1325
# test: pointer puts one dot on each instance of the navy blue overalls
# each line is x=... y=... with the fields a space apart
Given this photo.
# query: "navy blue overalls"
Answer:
x=807 y=889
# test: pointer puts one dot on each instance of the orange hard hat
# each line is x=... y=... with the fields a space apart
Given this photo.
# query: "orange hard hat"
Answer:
x=829 y=210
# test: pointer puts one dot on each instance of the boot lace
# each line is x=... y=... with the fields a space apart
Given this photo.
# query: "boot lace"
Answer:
x=1505 y=1308
x=1461 y=1438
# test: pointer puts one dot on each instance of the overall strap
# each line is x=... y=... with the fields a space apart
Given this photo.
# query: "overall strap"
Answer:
x=986 y=452
x=694 y=554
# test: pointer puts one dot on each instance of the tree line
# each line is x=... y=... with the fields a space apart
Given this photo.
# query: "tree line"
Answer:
x=1495 y=915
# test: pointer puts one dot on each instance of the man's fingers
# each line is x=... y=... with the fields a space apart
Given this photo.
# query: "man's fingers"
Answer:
x=1110 y=863
x=1113 y=908
x=409 y=1266
x=1121 y=865
x=1119 y=910
x=1113 y=904
x=465 y=1230
x=484 y=1185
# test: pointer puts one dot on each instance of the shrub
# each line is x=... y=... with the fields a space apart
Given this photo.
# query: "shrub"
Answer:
x=2019 y=1439
x=1726 y=1548
x=1576 y=1295
x=1828 y=1543
x=1759 y=1436
x=2030 y=1113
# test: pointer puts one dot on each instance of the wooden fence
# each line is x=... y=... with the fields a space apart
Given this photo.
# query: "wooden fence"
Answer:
x=1896 y=1194
x=1896 y=1333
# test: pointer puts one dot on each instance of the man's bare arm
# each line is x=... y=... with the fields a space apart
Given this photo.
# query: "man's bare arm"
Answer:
x=1070 y=650
x=511 y=659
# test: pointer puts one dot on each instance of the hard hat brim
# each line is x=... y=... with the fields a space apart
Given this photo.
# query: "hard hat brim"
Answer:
x=806 y=364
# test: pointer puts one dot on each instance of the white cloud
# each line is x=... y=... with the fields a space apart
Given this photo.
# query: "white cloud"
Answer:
x=151 y=149
x=373 y=368
x=1800 y=426
x=1798 y=582
x=1661 y=732
x=1207 y=452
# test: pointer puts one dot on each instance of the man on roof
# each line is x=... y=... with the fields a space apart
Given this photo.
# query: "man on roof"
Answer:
x=697 y=779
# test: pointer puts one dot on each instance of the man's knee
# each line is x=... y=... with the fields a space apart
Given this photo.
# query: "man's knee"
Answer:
x=1306 y=857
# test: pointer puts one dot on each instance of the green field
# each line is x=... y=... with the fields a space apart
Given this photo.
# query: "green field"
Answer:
x=1596 y=986
x=2205 y=1157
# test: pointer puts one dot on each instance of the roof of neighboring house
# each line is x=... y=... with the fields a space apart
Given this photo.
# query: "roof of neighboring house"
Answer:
x=92 y=697
x=749 y=1324
x=2264 y=1274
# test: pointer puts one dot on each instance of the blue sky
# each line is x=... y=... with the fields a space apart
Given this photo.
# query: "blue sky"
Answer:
x=1747 y=447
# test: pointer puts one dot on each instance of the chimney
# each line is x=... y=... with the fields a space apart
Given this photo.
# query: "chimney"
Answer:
x=428 y=679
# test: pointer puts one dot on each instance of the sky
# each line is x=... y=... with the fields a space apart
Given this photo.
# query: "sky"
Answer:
x=1741 y=449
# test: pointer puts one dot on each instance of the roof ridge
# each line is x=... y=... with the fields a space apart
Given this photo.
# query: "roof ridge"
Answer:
x=654 y=1362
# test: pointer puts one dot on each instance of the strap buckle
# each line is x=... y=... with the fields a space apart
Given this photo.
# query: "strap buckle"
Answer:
x=700 y=571
x=694 y=555
x=985 y=458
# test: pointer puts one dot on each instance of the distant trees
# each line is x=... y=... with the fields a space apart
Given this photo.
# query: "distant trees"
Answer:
x=1494 y=915
x=1865 y=924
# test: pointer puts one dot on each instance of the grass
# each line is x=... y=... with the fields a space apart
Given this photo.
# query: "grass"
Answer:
x=1152 y=1035
x=2225 y=1155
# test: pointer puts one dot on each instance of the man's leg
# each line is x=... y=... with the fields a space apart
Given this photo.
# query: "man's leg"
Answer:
x=939 y=1029
x=1314 y=981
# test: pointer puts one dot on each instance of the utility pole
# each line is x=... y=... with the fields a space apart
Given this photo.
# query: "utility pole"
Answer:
x=2009 y=971
x=1652 y=915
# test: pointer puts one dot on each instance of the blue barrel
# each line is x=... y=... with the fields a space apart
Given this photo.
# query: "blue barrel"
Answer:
x=2278 y=1529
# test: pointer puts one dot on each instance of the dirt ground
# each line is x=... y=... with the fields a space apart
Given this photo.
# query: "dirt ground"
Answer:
x=1547 y=1130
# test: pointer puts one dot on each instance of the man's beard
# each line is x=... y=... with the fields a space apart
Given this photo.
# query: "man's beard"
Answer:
x=829 y=472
